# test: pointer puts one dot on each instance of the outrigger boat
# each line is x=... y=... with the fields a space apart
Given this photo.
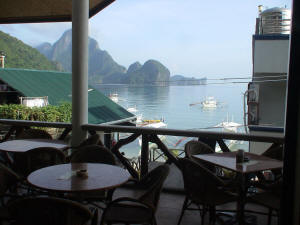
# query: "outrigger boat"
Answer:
x=209 y=102
x=152 y=123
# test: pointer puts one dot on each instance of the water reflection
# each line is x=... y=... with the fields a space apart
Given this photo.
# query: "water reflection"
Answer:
x=173 y=103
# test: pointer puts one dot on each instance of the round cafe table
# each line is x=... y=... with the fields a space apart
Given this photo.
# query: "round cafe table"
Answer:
x=24 y=145
x=63 y=177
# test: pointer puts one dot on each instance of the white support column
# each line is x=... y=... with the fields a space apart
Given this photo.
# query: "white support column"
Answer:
x=80 y=19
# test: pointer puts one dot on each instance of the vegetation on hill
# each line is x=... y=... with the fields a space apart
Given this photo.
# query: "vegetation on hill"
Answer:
x=19 y=55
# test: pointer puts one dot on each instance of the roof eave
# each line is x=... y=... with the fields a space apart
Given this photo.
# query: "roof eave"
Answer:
x=115 y=122
x=56 y=18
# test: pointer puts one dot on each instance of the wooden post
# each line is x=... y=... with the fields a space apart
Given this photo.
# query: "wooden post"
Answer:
x=107 y=140
x=144 y=154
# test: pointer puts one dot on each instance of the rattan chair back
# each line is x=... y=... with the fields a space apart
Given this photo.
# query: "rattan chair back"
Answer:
x=93 y=154
x=49 y=211
x=127 y=210
x=8 y=179
x=42 y=157
x=196 y=148
x=274 y=152
x=34 y=134
x=154 y=181
x=91 y=140
x=200 y=184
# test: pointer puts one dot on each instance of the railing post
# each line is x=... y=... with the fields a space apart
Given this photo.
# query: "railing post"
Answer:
x=223 y=146
x=144 y=154
x=123 y=160
x=107 y=140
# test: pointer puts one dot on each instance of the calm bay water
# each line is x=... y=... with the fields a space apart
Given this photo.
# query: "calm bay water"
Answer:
x=172 y=103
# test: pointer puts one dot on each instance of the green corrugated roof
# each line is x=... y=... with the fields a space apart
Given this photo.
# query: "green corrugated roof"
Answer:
x=57 y=86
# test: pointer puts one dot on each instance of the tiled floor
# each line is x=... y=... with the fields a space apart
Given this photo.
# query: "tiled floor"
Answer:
x=170 y=204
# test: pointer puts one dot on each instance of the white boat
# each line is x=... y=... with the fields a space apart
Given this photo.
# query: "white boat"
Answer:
x=139 y=118
x=209 y=102
x=114 y=97
x=132 y=109
x=152 y=123
x=229 y=126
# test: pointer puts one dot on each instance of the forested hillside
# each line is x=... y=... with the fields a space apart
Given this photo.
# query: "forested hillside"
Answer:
x=19 y=55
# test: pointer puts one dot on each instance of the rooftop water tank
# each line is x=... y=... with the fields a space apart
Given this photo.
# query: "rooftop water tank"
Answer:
x=275 y=21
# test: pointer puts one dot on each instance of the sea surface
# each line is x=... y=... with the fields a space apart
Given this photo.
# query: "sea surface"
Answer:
x=180 y=106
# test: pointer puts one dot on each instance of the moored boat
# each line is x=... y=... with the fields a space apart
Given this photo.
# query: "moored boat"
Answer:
x=209 y=102
x=132 y=109
x=114 y=97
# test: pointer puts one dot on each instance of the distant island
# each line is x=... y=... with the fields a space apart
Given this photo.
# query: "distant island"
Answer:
x=178 y=80
x=102 y=67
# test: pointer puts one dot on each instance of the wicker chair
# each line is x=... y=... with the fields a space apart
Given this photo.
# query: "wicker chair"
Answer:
x=202 y=188
x=19 y=158
x=139 y=210
x=196 y=148
x=270 y=198
x=9 y=181
x=274 y=152
x=49 y=211
x=34 y=134
x=94 y=154
x=91 y=140
x=38 y=158
x=42 y=157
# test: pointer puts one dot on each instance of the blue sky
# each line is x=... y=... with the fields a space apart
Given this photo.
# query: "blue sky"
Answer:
x=193 y=37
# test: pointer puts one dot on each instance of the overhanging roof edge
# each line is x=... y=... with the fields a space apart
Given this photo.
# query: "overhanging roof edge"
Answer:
x=119 y=121
x=55 y=18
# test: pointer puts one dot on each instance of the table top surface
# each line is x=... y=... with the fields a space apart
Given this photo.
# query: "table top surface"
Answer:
x=227 y=160
x=63 y=177
x=24 y=145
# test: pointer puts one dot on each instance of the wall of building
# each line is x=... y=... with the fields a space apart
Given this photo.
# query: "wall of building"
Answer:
x=270 y=66
x=272 y=104
x=270 y=56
